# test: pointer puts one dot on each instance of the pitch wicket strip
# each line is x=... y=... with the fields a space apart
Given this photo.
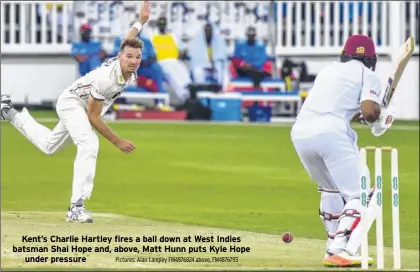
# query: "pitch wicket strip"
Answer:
x=365 y=180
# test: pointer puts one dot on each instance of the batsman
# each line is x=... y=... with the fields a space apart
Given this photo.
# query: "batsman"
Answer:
x=344 y=91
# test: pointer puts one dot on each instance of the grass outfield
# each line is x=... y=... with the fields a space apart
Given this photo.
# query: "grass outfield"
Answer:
x=238 y=179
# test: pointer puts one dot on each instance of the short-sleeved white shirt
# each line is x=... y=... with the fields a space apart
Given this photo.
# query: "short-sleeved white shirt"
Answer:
x=104 y=83
x=336 y=95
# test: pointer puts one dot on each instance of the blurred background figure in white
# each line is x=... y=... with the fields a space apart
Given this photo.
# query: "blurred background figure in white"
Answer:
x=209 y=56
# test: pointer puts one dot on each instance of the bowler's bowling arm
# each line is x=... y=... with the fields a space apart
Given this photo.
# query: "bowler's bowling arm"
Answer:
x=143 y=16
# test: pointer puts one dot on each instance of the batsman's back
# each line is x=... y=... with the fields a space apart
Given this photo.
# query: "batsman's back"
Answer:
x=337 y=91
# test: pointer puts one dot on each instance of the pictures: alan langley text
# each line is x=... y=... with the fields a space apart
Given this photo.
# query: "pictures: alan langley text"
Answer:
x=178 y=259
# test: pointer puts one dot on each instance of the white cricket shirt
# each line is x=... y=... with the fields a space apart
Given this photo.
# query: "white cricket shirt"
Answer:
x=105 y=83
x=335 y=98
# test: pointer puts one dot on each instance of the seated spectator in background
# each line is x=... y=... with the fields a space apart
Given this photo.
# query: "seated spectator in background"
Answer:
x=87 y=52
x=149 y=75
x=208 y=53
x=169 y=58
x=249 y=58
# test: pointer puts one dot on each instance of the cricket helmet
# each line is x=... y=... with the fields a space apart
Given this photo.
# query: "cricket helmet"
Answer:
x=361 y=48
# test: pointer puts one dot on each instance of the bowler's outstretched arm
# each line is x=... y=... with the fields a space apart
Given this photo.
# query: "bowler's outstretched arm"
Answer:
x=143 y=16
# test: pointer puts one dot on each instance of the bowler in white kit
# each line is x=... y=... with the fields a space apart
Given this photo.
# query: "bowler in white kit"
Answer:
x=326 y=144
x=79 y=108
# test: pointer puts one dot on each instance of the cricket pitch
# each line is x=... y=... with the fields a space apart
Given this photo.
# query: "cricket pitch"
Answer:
x=267 y=251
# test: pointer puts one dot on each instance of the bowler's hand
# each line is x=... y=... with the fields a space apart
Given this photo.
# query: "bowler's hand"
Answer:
x=125 y=146
x=144 y=12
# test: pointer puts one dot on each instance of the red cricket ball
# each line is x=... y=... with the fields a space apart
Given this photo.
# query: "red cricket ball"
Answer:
x=287 y=237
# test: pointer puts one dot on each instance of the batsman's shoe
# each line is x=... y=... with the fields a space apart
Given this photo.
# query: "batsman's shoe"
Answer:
x=78 y=214
x=344 y=259
x=6 y=103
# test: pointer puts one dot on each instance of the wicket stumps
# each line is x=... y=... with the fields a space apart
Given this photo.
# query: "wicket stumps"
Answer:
x=364 y=193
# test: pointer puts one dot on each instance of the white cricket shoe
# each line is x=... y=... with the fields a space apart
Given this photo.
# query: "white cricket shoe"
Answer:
x=78 y=214
x=6 y=103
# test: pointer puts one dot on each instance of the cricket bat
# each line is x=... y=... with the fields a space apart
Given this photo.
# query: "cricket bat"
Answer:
x=404 y=56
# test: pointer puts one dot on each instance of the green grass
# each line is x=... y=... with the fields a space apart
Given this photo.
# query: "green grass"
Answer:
x=235 y=177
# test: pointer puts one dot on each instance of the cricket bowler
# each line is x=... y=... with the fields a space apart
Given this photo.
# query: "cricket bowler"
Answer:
x=80 y=108
x=344 y=91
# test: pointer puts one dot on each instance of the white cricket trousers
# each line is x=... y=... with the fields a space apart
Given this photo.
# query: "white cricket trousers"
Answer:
x=74 y=124
x=331 y=160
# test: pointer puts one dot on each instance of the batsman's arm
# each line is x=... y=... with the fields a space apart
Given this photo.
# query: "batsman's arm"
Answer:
x=370 y=96
x=143 y=16
x=95 y=106
x=370 y=111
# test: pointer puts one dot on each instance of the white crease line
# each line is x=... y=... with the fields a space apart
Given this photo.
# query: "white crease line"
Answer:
x=109 y=215
x=104 y=215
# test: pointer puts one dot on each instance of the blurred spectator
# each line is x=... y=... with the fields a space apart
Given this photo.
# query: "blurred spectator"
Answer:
x=208 y=52
x=150 y=75
x=87 y=52
x=249 y=58
x=46 y=10
x=169 y=58
x=59 y=22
